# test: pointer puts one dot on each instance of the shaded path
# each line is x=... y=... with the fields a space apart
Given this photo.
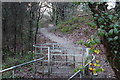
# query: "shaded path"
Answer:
x=108 y=73
x=46 y=32
x=65 y=43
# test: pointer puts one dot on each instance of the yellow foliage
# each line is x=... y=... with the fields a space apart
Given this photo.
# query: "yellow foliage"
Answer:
x=90 y=64
x=89 y=48
x=95 y=64
x=98 y=65
x=97 y=51
x=102 y=69
x=97 y=61
x=91 y=69
x=94 y=71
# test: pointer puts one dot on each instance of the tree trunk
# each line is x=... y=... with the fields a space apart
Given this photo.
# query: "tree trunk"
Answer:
x=36 y=33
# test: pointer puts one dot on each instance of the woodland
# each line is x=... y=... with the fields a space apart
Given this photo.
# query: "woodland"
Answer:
x=89 y=24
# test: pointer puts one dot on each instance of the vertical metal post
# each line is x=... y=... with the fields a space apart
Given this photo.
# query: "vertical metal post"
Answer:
x=74 y=58
x=53 y=49
x=66 y=57
x=80 y=74
x=87 y=52
x=83 y=61
x=82 y=56
x=53 y=46
x=34 y=69
x=43 y=67
x=86 y=56
x=41 y=54
x=35 y=53
x=92 y=65
x=13 y=73
x=48 y=60
x=42 y=61
x=41 y=50
x=34 y=65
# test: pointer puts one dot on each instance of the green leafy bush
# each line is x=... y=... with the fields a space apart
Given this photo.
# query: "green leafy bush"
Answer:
x=109 y=31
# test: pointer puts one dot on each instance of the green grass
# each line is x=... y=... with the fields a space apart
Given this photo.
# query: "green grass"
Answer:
x=70 y=25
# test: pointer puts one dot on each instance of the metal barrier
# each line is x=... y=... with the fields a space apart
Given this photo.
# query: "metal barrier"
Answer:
x=69 y=55
x=20 y=65
x=54 y=56
x=79 y=72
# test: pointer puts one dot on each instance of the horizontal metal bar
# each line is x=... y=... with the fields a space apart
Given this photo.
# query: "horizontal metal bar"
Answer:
x=38 y=53
x=63 y=48
x=40 y=46
x=62 y=54
x=79 y=70
x=66 y=55
x=59 y=67
x=50 y=43
x=68 y=61
x=62 y=61
x=45 y=45
x=11 y=68
x=66 y=48
x=60 y=72
x=55 y=50
x=54 y=67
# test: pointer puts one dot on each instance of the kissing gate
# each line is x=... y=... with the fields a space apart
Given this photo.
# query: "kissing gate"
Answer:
x=61 y=59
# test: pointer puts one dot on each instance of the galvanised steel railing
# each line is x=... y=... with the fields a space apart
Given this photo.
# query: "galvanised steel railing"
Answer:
x=58 y=47
x=20 y=65
x=79 y=72
x=50 y=48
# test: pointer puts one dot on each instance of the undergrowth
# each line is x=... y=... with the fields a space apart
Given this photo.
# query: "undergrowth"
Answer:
x=16 y=59
x=70 y=25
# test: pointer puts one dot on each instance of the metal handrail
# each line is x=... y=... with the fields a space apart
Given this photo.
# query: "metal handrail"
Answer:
x=51 y=43
x=79 y=70
x=52 y=46
x=11 y=68
x=38 y=46
x=45 y=45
